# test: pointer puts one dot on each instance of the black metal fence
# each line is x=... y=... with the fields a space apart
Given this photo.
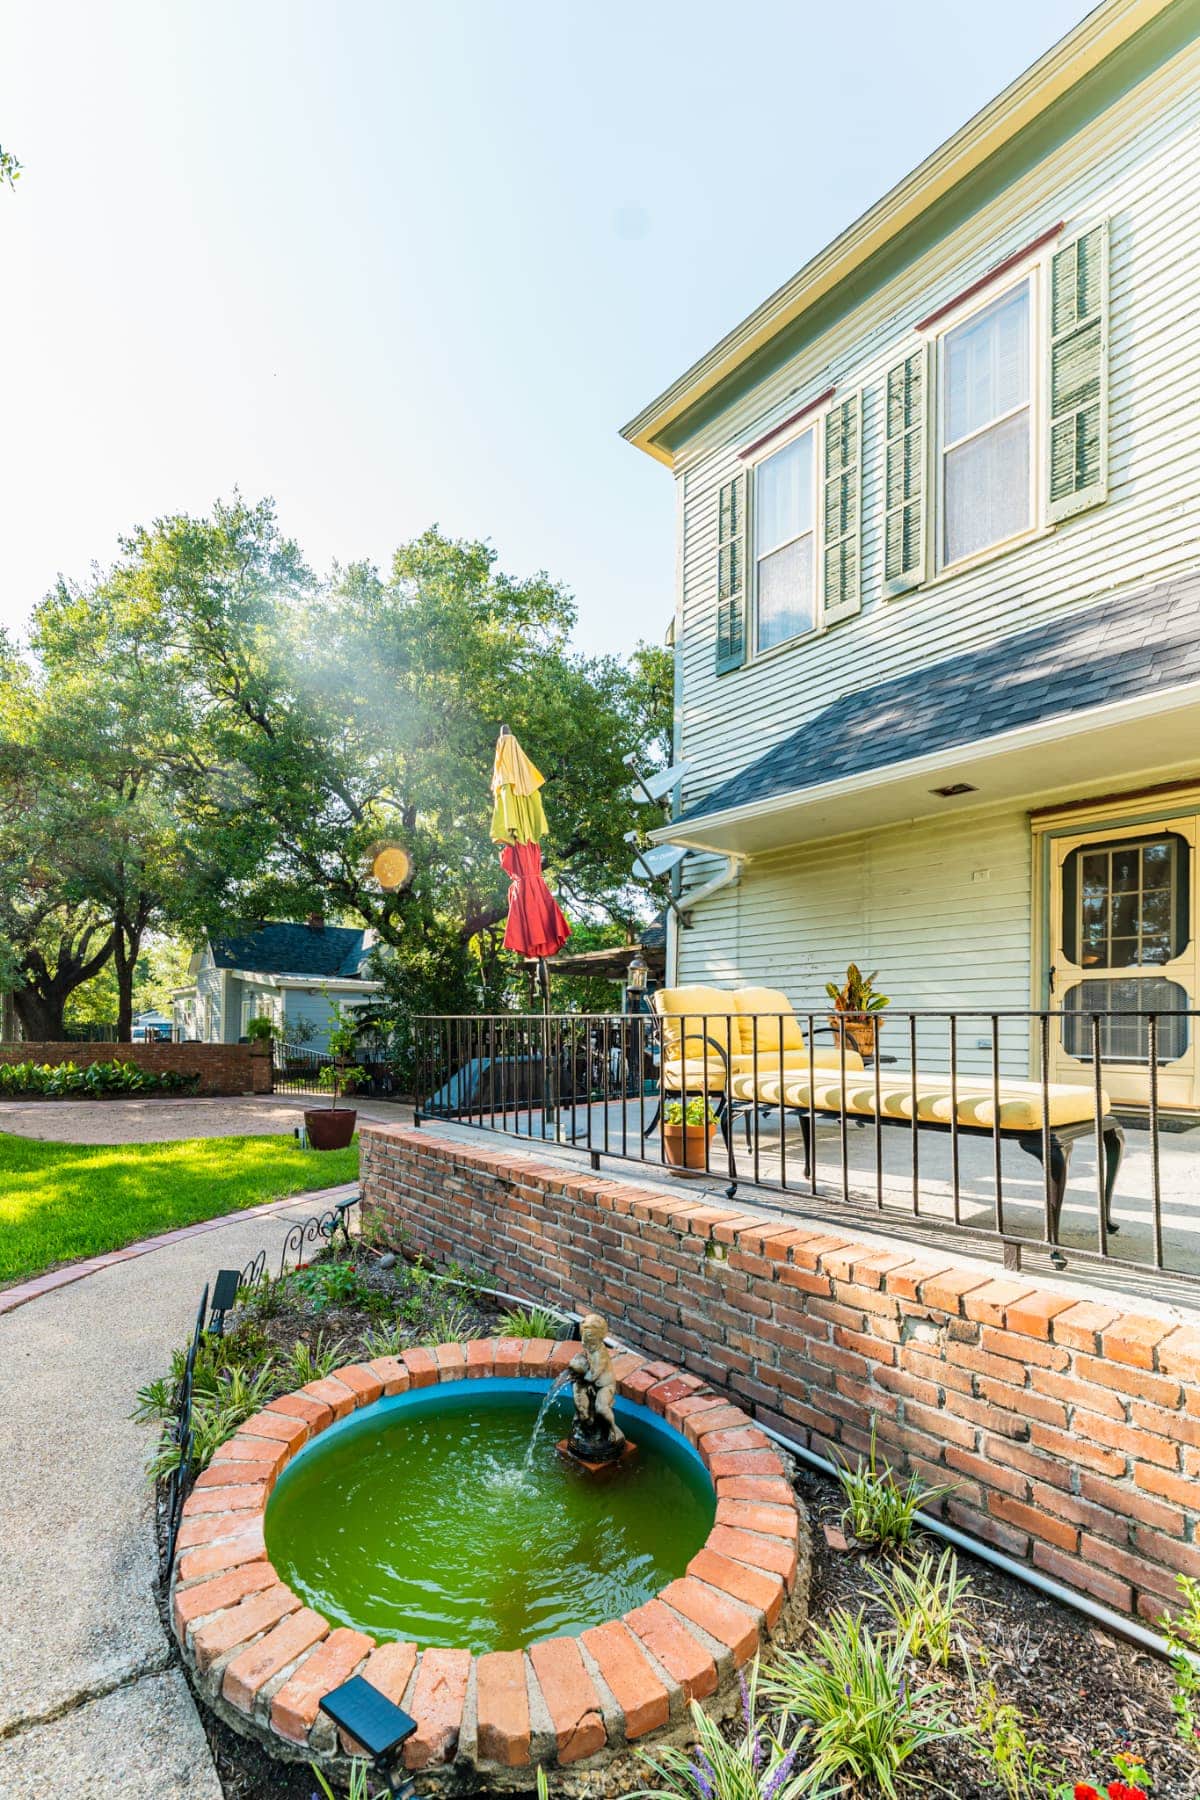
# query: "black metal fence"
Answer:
x=315 y=1233
x=914 y=1118
x=298 y=1068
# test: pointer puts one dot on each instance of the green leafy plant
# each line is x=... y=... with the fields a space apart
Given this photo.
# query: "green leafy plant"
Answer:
x=856 y=994
x=762 y=1763
x=450 y=1324
x=1133 y=1780
x=304 y=1362
x=924 y=1604
x=867 y=1718
x=389 y=1339
x=326 y=1284
x=879 y=1512
x=1017 y=1761
x=1183 y=1635
x=530 y=1322
x=98 y=1081
x=695 y=1112
x=358 y=1789
x=262 y=1030
x=339 y=1078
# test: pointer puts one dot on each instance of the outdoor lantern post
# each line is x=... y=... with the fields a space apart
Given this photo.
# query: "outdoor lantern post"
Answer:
x=378 y=1724
x=636 y=976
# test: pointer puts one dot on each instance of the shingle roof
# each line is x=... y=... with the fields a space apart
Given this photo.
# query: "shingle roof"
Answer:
x=1083 y=659
x=285 y=948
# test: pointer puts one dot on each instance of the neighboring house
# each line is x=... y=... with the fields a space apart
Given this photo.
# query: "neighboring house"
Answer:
x=299 y=976
x=937 y=633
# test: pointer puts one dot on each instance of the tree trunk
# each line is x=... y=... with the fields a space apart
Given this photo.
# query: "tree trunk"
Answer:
x=124 y=967
x=39 y=1016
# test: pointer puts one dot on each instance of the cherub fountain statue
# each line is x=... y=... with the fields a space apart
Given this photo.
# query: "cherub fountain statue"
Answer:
x=596 y=1439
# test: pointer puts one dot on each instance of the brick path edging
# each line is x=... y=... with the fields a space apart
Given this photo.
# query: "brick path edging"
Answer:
x=1067 y=1429
x=264 y=1660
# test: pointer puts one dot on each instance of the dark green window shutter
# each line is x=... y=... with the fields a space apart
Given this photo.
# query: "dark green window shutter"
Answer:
x=1078 y=449
x=904 y=477
x=842 y=517
x=731 y=575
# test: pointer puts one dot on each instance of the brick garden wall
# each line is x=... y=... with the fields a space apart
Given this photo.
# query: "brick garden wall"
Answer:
x=1069 y=1429
x=223 y=1068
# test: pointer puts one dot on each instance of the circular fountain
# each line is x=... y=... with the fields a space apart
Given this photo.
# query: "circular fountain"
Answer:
x=531 y=1586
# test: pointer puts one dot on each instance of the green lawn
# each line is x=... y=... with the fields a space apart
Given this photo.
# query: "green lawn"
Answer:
x=60 y=1202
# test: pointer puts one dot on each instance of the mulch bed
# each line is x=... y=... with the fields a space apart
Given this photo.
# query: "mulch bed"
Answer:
x=1083 y=1694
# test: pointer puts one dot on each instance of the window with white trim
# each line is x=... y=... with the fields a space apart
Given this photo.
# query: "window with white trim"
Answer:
x=985 y=435
x=784 y=529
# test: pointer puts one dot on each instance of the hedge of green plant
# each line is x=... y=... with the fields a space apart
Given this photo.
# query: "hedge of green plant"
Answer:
x=97 y=1081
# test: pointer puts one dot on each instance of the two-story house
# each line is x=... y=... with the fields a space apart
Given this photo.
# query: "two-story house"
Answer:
x=937 y=628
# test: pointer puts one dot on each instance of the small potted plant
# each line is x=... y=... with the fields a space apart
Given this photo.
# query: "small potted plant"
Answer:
x=329 y=1129
x=856 y=1006
x=687 y=1131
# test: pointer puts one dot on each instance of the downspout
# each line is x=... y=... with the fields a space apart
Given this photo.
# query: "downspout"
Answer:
x=730 y=875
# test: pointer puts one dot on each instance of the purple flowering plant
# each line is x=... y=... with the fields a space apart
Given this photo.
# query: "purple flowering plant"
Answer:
x=762 y=1761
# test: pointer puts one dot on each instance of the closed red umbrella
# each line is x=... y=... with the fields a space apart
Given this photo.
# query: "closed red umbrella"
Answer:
x=536 y=926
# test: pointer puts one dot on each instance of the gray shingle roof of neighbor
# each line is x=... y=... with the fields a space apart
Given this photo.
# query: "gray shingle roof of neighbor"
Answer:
x=285 y=948
x=1082 y=659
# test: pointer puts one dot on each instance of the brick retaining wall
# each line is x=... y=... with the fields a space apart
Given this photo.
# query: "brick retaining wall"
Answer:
x=223 y=1068
x=1068 y=1428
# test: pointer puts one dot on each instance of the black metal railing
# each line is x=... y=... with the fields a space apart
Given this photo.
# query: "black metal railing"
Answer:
x=315 y=1233
x=911 y=1117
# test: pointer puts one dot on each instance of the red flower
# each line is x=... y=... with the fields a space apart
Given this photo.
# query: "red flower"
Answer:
x=1121 y=1790
x=1084 y=1792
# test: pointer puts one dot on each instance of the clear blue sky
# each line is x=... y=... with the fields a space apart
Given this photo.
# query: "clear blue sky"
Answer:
x=395 y=263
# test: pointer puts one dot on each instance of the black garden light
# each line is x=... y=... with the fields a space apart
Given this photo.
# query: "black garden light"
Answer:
x=224 y=1295
x=377 y=1723
x=637 y=974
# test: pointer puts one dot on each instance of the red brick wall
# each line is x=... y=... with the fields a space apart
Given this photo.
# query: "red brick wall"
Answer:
x=1069 y=1429
x=223 y=1068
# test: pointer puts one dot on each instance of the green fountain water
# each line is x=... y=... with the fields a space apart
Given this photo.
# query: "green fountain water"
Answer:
x=429 y=1519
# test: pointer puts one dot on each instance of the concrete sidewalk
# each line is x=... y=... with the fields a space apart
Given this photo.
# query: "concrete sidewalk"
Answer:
x=89 y=1702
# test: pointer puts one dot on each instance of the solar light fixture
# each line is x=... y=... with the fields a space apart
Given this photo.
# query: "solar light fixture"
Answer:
x=377 y=1723
x=637 y=974
x=224 y=1295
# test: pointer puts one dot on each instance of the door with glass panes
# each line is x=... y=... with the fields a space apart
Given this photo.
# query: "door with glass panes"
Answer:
x=1123 y=944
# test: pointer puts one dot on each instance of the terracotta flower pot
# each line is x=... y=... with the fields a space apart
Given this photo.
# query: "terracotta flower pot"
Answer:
x=329 y=1128
x=685 y=1146
x=860 y=1034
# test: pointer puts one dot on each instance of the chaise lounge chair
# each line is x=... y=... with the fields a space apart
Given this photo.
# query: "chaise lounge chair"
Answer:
x=746 y=1051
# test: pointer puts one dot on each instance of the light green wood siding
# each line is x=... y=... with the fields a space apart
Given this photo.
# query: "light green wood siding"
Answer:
x=1138 y=167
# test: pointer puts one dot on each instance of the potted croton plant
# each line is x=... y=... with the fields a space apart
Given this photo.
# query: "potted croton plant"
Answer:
x=331 y=1128
x=687 y=1131
x=856 y=1007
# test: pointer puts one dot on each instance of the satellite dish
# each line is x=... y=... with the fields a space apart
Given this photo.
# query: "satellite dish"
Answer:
x=658 y=860
x=658 y=785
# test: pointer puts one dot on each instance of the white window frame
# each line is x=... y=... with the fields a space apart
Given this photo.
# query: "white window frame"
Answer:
x=1033 y=276
x=813 y=422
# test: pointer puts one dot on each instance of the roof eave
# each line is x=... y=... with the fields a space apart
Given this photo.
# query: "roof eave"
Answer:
x=701 y=833
x=1067 y=62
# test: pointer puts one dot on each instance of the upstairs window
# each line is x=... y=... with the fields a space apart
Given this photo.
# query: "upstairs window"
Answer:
x=784 y=543
x=986 y=428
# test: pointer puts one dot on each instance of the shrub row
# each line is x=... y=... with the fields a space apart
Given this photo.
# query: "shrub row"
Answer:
x=63 y=1081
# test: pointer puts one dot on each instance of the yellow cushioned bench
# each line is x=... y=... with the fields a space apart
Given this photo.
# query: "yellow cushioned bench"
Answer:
x=746 y=1047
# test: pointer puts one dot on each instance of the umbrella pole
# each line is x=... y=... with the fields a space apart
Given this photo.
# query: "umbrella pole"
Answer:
x=549 y=1062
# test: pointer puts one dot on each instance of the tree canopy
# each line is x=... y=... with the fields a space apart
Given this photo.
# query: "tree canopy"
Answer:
x=207 y=733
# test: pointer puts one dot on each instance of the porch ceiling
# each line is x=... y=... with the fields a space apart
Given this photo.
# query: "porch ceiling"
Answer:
x=1101 y=750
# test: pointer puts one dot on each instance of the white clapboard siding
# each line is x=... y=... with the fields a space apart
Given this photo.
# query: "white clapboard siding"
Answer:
x=941 y=909
x=1139 y=167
